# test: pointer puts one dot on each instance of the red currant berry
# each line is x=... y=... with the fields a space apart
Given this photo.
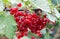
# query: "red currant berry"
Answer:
x=20 y=13
x=19 y=22
x=39 y=34
x=13 y=11
x=32 y=37
x=19 y=4
x=17 y=19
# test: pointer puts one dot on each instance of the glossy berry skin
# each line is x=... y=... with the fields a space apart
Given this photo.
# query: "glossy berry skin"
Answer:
x=19 y=4
x=45 y=16
x=20 y=13
x=13 y=10
x=32 y=37
x=19 y=22
x=26 y=33
x=17 y=19
x=20 y=35
x=39 y=34
x=25 y=14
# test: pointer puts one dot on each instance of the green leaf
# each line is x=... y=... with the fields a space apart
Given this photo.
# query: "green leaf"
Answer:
x=10 y=20
x=14 y=1
x=2 y=24
x=27 y=2
x=1 y=6
x=55 y=2
x=6 y=2
x=41 y=4
x=46 y=36
x=58 y=8
x=25 y=37
x=57 y=23
x=49 y=1
x=10 y=31
x=22 y=0
x=57 y=14
x=2 y=18
x=8 y=26
x=1 y=13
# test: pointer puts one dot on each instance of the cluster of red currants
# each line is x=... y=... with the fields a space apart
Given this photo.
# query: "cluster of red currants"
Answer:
x=26 y=22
